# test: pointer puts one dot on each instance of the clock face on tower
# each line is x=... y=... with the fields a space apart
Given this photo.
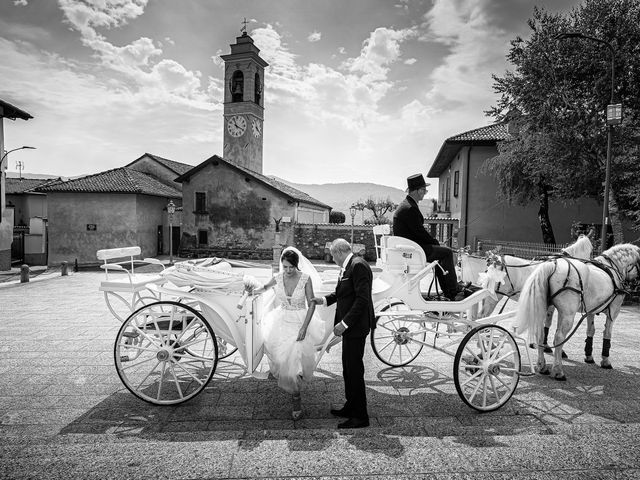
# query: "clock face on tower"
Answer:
x=256 y=128
x=236 y=125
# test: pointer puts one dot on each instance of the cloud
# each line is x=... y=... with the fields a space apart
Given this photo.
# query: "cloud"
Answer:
x=410 y=61
x=140 y=62
x=21 y=3
x=380 y=50
x=314 y=37
x=348 y=95
x=76 y=111
x=476 y=45
x=85 y=16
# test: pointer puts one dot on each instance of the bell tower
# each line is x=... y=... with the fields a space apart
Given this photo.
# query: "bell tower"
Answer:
x=244 y=103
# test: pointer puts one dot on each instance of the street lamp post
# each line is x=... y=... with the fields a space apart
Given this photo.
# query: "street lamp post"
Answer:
x=2 y=171
x=352 y=211
x=614 y=117
x=171 y=209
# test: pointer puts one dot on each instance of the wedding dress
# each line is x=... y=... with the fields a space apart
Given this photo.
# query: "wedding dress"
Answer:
x=291 y=361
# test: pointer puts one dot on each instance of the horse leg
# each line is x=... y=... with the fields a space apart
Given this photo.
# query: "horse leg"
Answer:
x=564 y=326
x=606 y=343
x=547 y=324
x=588 y=343
x=541 y=366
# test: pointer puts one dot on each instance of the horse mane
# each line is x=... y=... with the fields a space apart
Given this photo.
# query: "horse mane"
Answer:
x=581 y=248
x=623 y=254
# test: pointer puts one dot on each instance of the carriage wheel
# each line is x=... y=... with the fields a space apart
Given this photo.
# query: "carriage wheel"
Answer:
x=166 y=353
x=395 y=338
x=486 y=368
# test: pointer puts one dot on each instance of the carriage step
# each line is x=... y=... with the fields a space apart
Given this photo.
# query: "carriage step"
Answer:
x=131 y=334
x=176 y=325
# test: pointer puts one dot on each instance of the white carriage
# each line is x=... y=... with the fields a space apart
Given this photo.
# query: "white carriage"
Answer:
x=167 y=351
x=487 y=361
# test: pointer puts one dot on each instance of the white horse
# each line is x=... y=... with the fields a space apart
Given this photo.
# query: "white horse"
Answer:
x=574 y=286
x=517 y=270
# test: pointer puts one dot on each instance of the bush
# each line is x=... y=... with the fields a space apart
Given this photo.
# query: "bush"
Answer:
x=336 y=217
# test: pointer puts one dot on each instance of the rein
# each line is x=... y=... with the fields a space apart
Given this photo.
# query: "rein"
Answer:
x=506 y=271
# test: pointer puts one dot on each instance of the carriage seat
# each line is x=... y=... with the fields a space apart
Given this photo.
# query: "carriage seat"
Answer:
x=133 y=282
x=403 y=256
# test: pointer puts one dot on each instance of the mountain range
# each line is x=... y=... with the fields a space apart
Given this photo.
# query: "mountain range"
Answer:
x=340 y=196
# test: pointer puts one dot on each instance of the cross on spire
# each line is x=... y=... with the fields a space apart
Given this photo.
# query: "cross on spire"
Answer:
x=244 y=27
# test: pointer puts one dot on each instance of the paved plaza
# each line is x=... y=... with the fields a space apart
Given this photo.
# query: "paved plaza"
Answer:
x=65 y=414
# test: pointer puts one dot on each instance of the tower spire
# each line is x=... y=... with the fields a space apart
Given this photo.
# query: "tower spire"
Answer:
x=243 y=29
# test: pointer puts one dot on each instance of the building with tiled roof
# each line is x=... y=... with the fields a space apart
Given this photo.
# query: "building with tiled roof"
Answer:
x=468 y=193
x=483 y=136
x=289 y=191
x=163 y=169
x=16 y=186
x=27 y=202
x=229 y=208
x=117 y=208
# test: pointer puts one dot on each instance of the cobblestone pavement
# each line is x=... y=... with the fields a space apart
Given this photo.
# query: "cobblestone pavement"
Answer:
x=65 y=414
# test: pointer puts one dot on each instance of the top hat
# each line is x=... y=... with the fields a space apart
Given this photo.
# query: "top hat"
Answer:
x=416 y=181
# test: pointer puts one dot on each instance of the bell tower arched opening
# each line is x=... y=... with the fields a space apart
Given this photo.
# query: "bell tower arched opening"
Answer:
x=237 y=86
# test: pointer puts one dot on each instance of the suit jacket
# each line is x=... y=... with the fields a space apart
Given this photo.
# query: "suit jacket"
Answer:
x=353 y=297
x=408 y=222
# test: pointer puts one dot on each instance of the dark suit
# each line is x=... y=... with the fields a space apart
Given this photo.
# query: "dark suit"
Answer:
x=354 y=308
x=408 y=222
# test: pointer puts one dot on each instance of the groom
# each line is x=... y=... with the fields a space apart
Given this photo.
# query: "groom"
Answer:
x=354 y=319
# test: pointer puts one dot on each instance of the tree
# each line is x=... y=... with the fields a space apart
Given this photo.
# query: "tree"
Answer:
x=379 y=207
x=336 y=217
x=561 y=88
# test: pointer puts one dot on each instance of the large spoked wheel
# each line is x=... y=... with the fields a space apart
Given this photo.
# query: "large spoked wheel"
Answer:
x=395 y=340
x=166 y=353
x=486 y=368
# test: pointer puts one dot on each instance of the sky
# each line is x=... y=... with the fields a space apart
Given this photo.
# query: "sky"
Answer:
x=355 y=91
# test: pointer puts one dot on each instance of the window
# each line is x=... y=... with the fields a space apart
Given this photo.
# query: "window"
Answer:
x=203 y=237
x=447 y=198
x=201 y=202
x=456 y=183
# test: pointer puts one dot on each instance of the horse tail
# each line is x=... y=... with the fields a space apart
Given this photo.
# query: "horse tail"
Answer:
x=533 y=302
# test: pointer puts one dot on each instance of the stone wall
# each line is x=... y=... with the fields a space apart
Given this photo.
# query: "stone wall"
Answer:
x=5 y=260
x=311 y=239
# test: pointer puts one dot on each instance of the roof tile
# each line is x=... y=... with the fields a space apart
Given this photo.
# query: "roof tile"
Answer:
x=118 y=180
x=26 y=185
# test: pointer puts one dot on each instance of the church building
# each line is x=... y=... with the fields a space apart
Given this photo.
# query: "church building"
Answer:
x=230 y=208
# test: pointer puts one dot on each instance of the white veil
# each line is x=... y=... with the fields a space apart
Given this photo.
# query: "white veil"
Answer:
x=307 y=267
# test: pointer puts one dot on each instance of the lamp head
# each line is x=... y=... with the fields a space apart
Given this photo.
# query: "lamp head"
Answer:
x=171 y=207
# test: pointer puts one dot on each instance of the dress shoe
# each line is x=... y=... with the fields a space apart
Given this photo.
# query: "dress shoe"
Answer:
x=340 y=412
x=355 y=423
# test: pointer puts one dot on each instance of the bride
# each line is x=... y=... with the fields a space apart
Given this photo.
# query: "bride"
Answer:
x=293 y=328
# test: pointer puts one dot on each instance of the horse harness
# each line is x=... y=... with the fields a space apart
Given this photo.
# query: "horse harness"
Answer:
x=606 y=268
x=606 y=305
